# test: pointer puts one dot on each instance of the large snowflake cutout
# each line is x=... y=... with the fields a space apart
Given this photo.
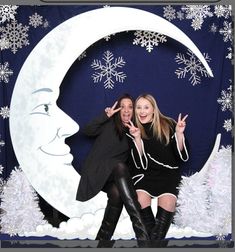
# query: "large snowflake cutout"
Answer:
x=35 y=20
x=148 y=39
x=7 y=12
x=5 y=112
x=223 y=11
x=193 y=66
x=197 y=13
x=16 y=34
x=226 y=99
x=5 y=72
x=108 y=70
x=227 y=31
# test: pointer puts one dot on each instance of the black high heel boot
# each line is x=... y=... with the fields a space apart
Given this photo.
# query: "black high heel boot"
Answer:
x=129 y=197
x=164 y=219
x=148 y=218
x=109 y=222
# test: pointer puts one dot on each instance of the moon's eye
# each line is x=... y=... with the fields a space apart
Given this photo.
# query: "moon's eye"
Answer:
x=42 y=109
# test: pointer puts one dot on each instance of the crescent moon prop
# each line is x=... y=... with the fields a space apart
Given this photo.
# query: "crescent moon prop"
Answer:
x=44 y=70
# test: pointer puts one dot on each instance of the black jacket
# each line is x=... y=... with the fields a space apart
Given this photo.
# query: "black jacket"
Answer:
x=107 y=150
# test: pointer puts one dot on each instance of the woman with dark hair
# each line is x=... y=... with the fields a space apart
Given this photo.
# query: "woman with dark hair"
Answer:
x=105 y=169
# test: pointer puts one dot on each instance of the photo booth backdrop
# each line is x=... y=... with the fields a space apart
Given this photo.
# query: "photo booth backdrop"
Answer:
x=140 y=62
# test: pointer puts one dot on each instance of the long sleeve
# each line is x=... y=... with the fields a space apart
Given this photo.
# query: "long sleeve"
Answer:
x=94 y=128
x=183 y=154
x=140 y=161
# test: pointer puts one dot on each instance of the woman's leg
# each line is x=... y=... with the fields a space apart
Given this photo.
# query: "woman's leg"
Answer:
x=128 y=194
x=164 y=217
x=112 y=213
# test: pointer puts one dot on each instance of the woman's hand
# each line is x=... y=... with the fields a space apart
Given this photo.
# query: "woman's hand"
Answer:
x=134 y=131
x=110 y=111
x=181 y=124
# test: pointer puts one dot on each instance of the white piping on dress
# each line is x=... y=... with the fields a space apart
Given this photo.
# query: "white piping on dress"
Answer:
x=138 y=175
x=177 y=144
x=142 y=190
x=167 y=166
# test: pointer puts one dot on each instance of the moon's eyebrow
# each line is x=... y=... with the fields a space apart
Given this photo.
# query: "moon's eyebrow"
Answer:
x=42 y=90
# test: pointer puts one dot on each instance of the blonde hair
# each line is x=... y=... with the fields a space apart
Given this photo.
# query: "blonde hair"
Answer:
x=161 y=124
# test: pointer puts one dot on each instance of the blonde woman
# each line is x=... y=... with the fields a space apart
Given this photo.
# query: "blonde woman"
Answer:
x=158 y=148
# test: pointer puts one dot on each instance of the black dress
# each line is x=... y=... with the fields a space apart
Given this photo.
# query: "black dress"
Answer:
x=107 y=150
x=157 y=171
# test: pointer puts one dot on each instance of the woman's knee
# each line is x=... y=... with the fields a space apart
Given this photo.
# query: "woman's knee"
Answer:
x=121 y=169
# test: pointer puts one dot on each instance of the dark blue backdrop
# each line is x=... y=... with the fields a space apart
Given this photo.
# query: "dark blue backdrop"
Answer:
x=208 y=103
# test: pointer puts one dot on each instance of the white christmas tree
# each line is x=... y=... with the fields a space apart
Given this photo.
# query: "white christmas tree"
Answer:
x=20 y=211
x=204 y=201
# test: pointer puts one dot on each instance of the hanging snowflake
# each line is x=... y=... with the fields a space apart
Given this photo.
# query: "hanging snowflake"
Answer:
x=35 y=20
x=213 y=28
x=169 y=12
x=7 y=12
x=148 y=39
x=5 y=72
x=226 y=31
x=5 y=112
x=16 y=34
x=228 y=125
x=226 y=99
x=4 y=43
x=193 y=66
x=197 y=13
x=223 y=11
x=108 y=70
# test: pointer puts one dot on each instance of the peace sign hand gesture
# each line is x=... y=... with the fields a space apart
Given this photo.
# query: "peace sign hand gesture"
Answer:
x=134 y=131
x=111 y=111
x=181 y=124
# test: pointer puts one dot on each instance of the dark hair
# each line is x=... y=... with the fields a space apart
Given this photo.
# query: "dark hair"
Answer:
x=119 y=127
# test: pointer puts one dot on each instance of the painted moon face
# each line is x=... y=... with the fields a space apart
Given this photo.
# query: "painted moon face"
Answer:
x=38 y=127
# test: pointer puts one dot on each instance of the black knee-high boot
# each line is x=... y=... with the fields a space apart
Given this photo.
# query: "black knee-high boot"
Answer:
x=148 y=218
x=164 y=219
x=109 y=222
x=129 y=197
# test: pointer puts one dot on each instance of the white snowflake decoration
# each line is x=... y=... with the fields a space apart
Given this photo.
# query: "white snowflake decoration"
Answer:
x=180 y=15
x=197 y=13
x=223 y=11
x=148 y=39
x=7 y=12
x=83 y=55
x=1 y=169
x=4 y=43
x=5 y=72
x=107 y=38
x=226 y=99
x=2 y=143
x=5 y=112
x=35 y=20
x=226 y=31
x=193 y=66
x=169 y=13
x=108 y=70
x=16 y=34
x=45 y=24
x=228 y=125
x=213 y=28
